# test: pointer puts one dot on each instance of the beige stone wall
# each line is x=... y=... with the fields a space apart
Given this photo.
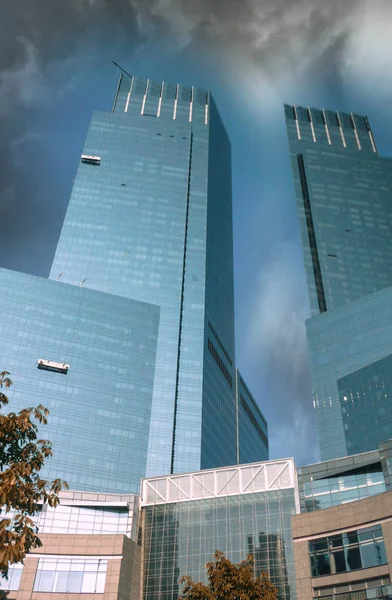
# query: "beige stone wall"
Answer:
x=122 y=576
x=362 y=513
x=130 y=574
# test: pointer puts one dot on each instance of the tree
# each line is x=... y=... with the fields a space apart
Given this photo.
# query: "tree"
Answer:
x=227 y=581
x=22 y=491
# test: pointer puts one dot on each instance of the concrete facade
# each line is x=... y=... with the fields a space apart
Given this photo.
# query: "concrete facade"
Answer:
x=122 y=575
x=376 y=510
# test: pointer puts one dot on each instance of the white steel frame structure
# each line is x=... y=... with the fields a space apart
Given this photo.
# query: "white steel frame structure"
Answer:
x=215 y=483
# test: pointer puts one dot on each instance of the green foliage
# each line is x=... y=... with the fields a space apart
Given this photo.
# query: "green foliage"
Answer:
x=22 y=491
x=227 y=581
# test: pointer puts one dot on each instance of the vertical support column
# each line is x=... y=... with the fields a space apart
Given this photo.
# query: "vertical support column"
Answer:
x=355 y=131
x=144 y=97
x=191 y=104
x=296 y=122
x=326 y=127
x=176 y=102
x=129 y=95
x=160 y=99
x=311 y=124
x=341 y=130
x=237 y=417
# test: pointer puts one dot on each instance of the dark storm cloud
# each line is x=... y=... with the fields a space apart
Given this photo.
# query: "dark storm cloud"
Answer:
x=43 y=45
x=37 y=35
x=46 y=48
x=274 y=36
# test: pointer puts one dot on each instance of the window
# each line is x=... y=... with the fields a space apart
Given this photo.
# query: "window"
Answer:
x=71 y=576
x=215 y=354
x=253 y=419
x=347 y=551
x=14 y=575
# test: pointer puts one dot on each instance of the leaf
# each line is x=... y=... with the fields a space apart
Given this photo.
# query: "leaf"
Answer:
x=227 y=581
x=22 y=456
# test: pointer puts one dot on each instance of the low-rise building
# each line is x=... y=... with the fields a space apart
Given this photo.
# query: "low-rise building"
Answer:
x=345 y=552
x=239 y=510
x=89 y=551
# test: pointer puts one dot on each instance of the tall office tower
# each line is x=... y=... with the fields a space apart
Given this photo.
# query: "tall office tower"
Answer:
x=132 y=349
x=343 y=190
x=150 y=218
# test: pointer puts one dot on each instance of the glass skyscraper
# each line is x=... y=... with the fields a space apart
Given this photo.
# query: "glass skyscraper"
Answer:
x=139 y=306
x=343 y=191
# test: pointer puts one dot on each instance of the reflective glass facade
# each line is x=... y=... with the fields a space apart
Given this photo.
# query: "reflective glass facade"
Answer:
x=150 y=218
x=339 y=481
x=366 y=403
x=252 y=427
x=76 y=576
x=100 y=409
x=342 y=489
x=349 y=351
x=180 y=537
x=343 y=190
x=348 y=551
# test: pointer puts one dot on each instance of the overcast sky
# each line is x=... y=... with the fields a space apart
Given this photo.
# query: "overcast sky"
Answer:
x=55 y=69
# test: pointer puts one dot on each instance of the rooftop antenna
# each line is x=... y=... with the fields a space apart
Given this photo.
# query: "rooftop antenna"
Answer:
x=121 y=69
x=59 y=275
x=82 y=282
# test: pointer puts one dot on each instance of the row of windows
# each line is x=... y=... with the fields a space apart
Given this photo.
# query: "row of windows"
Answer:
x=62 y=575
x=347 y=551
x=220 y=343
x=253 y=420
x=376 y=592
x=214 y=353
x=72 y=519
x=256 y=408
x=71 y=576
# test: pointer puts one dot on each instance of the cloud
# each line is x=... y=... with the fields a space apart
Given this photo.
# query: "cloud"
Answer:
x=297 y=434
x=274 y=347
x=272 y=40
x=368 y=56
x=24 y=81
x=46 y=48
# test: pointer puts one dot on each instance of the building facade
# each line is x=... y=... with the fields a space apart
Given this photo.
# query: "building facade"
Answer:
x=150 y=218
x=89 y=551
x=350 y=352
x=323 y=531
x=130 y=342
x=343 y=189
x=238 y=510
x=344 y=552
x=89 y=357
x=252 y=428
x=343 y=480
